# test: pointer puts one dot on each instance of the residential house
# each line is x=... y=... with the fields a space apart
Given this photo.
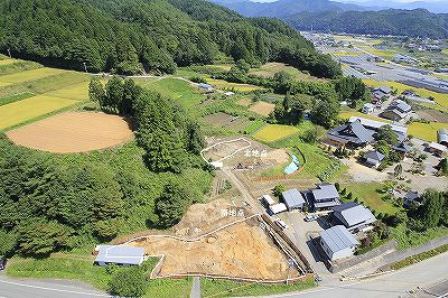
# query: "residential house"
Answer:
x=376 y=125
x=442 y=137
x=119 y=254
x=325 y=196
x=293 y=199
x=381 y=94
x=353 y=216
x=437 y=149
x=373 y=158
x=338 y=243
x=398 y=110
x=403 y=148
x=352 y=135
x=412 y=198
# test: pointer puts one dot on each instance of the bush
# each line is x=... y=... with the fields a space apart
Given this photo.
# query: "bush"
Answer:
x=129 y=282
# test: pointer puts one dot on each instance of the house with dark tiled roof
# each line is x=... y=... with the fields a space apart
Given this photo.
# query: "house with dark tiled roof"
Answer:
x=351 y=134
x=373 y=158
x=397 y=111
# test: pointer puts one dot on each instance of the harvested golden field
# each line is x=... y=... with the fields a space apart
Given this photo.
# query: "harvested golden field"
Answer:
x=262 y=108
x=76 y=92
x=73 y=132
x=28 y=109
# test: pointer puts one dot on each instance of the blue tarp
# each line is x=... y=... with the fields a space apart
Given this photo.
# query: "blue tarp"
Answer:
x=293 y=166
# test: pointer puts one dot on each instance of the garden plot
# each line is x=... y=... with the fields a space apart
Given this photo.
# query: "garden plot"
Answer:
x=73 y=132
x=262 y=108
x=223 y=120
x=232 y=244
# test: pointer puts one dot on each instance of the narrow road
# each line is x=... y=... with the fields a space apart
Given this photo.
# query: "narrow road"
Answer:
x=390 y=285
x=12 y=288
x=196 y=288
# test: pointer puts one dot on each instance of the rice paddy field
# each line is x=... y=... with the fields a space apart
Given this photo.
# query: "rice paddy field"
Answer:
x=274 y=132
x=426 y=131
x=29 y=91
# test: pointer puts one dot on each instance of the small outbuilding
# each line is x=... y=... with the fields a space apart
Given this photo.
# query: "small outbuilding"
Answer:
x=277 y=208
x=206 y=87
x=412 y=198
x=119 y=254
x=373 y=158
x=368 y=108
x=293 y=199
x=442 y=137
x=338 y=243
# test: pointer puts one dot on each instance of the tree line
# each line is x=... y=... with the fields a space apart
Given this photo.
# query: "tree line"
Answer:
x=135 y=36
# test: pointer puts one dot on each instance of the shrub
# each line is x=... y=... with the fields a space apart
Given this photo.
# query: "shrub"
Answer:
x=128 y=282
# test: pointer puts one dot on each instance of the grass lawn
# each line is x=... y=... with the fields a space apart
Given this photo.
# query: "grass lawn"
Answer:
x=30 y=75
x=345 y=115
x=367 y=194
x=426 y=131
x=221 y=84
x=254 y=126
x=177 y=89
x=7 y=61
x=179 y=288
x=224 y=288
x=60 y=266
x=25 y=110
x=274 y=132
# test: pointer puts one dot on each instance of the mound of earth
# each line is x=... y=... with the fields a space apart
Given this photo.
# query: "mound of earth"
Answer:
x=73 y=132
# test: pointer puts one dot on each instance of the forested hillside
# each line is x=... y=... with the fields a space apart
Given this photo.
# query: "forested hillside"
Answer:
x=417 y=23
x=127 y=37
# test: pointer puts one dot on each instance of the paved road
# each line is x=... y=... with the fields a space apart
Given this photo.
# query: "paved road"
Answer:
x=10 y=288
x=196 y=288
x=391 y=285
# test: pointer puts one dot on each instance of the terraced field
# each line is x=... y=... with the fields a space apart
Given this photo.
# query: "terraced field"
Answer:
x=30 y=94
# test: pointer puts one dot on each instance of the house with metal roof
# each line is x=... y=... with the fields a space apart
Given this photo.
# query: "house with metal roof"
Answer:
x=352 y=134
x=325 y=196
x=119 y=254
x=353 y=216
x=376 y=125
x=293 y=199
x=338 y=243
x=412 y=198
x=383 y=89
x=373 y=158
x=442 y=137
x=437 y=149
x=397 y=111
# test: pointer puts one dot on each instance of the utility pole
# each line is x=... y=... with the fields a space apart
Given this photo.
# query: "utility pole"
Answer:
x=85 y=66
x=9 y=53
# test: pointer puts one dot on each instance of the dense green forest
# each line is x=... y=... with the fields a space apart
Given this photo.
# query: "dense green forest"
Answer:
x=127 y=37
x=415 y=23
x=56 y=202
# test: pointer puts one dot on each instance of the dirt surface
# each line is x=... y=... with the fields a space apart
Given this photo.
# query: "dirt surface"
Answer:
x=433 y=115
x=227 y=121
x=262 y=108
x=245 y=102
x=73 y=132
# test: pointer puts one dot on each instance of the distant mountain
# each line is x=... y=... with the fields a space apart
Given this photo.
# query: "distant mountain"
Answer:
x=284 y=8
x=433 y=6
x=417 y=23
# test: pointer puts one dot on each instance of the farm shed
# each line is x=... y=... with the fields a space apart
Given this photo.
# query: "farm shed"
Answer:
x=278 y=208
x=338 y=242
x=119 y=255
x=293 y=199
x=437 y=149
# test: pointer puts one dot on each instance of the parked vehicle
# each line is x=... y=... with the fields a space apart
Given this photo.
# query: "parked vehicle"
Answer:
x=281 y=224
x=311 y=217
x=2 y=263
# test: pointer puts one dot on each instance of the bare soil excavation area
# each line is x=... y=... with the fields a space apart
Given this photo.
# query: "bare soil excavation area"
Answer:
x=73 y=132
